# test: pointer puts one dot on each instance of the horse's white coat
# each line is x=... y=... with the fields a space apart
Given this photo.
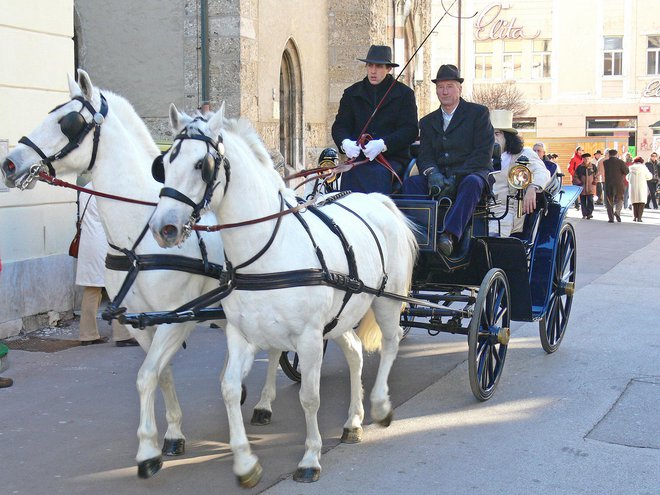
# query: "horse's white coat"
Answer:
x=291 y=318
x=123 y=167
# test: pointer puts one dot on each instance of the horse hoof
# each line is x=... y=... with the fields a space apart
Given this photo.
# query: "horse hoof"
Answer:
x=146 y=469
x=243 y=394
x=174 y=446
x=307 y=475
x=387 y=420
x=251 y=479
x=352 y=435
x=261 y=417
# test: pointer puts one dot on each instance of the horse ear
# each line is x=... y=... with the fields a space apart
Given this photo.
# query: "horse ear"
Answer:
x=178 y=120
x=74 y=89
x=215 y=123
x=85 y=84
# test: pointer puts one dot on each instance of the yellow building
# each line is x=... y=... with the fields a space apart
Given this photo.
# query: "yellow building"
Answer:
x=589 y=70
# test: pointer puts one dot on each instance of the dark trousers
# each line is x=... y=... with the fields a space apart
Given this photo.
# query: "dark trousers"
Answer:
x=468 y=194
x=587 y=203
x=653 y=184
x=638 y=211
x=371 y=177
x=613 y=204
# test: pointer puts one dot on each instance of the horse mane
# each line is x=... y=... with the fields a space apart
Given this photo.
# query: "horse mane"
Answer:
x=244 y=129
x=129 y=118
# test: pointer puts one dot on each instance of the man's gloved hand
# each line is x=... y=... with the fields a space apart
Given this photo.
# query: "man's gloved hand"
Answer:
x=374 y=148
x=351 y=148
x=449 y=190
x=437 y=182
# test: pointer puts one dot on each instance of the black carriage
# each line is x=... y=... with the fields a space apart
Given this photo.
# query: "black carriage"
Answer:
x=490 y=281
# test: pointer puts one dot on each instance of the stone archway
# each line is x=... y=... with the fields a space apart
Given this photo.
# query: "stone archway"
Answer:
x=291 y=111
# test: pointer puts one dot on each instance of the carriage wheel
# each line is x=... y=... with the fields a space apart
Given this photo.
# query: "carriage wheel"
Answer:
x=553 y=324
x=291 y=364
x=488 y=334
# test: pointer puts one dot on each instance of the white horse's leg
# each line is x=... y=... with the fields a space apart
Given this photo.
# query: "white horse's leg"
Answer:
x=310 y=353
x=387 y=314
x=351 y=345
x=240 y=355
x=263 y=411
x=163 y=344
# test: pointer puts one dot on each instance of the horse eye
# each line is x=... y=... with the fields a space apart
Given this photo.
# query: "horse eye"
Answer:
x=199 y=164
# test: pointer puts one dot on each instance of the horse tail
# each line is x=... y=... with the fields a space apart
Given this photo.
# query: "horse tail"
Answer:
x=369 y=332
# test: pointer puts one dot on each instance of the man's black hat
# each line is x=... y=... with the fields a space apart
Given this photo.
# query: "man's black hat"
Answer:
x=448 y=72
x=379 y=54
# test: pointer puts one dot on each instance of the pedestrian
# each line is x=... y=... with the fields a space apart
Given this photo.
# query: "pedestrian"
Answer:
x=628 y=160
x=5 y=382
x=513 y=149
x=653 y=166
x=390 y=132
x=90 y=275
x=539 y=149
x=575 y=161
x=637 y=178
x=586 y=174
x=455 y=155
x=596 y=159
x=615 y=174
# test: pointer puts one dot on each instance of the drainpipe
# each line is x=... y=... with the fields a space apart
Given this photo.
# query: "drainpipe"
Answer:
x=394 y=30
x=204 y=35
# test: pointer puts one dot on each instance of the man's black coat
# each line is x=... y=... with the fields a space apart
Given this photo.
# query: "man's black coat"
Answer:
x=466 y=147
x=395 y=122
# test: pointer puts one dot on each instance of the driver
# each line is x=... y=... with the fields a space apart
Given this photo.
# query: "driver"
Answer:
x=512 y=149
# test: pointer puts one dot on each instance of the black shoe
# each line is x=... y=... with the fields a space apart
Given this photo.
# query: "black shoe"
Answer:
x=590 y=217
x=618 y=217
x=6 y=382
x=445 y=244
x=126 y=343
x=102 y=340
x=610 y=221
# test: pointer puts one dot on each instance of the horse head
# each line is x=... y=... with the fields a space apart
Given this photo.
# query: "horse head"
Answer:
x=67 y=128
x=192 y=171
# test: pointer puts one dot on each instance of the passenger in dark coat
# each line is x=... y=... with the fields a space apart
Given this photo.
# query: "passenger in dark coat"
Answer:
x=455 y=155
x=615 y=174
x=393 y=128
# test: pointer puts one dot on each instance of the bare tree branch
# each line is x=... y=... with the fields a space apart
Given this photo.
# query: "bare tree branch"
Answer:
x=503 y=96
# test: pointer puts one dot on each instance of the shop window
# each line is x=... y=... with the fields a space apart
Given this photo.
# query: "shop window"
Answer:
x=511 y=61
x=483 y=60
x=525 y=125
x=541 y=59
x=653 y=56
x=612 y=55
x=613 y=127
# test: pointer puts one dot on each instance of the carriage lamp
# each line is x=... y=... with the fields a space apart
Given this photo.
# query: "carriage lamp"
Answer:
x=519 y=178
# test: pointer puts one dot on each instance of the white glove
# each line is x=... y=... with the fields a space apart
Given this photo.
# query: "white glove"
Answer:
x=374 y=148
x=351 y=148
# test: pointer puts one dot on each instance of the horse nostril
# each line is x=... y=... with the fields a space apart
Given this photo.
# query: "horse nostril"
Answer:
x=169 y=231
x=9 y=166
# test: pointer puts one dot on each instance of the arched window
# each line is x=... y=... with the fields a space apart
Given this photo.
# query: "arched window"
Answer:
x=291 y=112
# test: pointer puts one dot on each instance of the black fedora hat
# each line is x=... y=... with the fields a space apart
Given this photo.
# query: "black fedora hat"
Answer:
x=379 y=54
x=448 y=72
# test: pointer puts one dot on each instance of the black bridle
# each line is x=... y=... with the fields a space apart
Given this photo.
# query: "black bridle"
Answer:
x=75 y=128
x=209 y=167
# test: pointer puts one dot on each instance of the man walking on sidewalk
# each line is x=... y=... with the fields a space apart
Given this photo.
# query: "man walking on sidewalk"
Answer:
x=615 y=172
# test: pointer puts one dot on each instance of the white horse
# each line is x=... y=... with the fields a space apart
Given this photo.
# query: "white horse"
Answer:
x=225 y=159
x=122 y=167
